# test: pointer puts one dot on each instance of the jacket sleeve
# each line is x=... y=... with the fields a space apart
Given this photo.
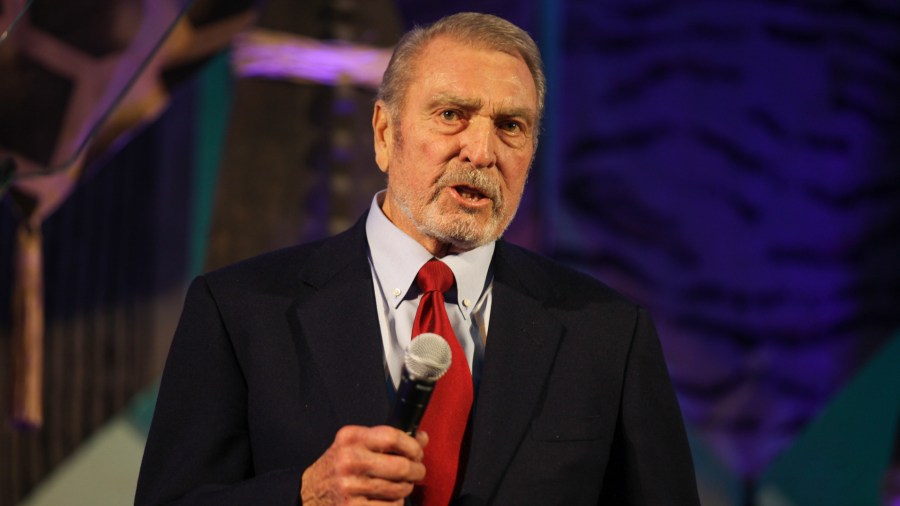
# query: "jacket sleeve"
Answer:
x=198 y=450
x=650 y=462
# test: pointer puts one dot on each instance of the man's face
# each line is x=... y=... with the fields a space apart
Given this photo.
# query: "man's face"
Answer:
x=458 y=160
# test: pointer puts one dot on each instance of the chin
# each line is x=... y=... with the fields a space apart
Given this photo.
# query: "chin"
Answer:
x=463 y=232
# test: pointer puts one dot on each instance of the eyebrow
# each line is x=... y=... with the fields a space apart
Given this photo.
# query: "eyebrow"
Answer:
x=474 y=104
x=454 y=100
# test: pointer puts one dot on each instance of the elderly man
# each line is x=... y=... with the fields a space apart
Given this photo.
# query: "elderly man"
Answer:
x=280 y=378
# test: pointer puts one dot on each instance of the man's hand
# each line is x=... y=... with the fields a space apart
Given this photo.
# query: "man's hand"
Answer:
x=365 y=465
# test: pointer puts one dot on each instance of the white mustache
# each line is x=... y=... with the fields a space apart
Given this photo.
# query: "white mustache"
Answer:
x=473 y=178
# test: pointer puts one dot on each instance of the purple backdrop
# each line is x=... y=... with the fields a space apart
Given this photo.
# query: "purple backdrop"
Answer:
x=735 y=167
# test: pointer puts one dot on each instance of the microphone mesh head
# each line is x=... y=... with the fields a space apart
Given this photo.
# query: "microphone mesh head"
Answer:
x=428 y=357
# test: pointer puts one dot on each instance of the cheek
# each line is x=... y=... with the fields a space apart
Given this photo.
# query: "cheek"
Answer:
x=415 y=181
x=426 y=161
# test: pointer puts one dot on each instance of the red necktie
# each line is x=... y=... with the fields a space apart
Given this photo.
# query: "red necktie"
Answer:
x=448 y=411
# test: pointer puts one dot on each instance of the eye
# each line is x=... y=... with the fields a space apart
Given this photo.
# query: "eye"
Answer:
x=450 y=115
x=511 y=126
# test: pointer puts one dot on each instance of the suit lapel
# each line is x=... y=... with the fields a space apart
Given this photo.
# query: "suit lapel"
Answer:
x=338 y=321
x=521 y=345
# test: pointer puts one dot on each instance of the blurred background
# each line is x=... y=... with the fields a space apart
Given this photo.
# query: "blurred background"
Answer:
x=733 y=166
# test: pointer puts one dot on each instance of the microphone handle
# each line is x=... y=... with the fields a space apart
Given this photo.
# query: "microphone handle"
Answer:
x=412 y=399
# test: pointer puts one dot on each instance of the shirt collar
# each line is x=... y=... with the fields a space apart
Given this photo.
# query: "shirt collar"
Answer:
x=397 y=258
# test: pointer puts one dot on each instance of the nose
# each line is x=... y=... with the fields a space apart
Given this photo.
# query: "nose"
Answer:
x=477 y=143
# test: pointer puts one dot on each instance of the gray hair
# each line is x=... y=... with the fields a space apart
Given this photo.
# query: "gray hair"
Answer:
x=479 y=30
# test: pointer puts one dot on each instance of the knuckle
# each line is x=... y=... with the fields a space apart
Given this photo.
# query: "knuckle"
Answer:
x=345 y=434
x=404 y=467
x=384 y=432
x=342 y=486
x=347 y=463
x=344 y=461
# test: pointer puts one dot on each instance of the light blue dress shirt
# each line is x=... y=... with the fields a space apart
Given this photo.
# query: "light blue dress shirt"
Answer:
x=395 y=259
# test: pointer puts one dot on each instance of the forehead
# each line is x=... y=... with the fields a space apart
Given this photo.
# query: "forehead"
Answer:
x=449 y=66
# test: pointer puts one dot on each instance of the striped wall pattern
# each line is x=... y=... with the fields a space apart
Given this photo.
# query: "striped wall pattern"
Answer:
x=115 y=257
x=731 y=165
x=297 y=162
x=735 y=166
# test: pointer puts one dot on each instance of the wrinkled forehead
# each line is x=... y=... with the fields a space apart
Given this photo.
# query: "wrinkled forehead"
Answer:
x=436 y=59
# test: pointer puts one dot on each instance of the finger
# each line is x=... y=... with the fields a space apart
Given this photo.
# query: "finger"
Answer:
x=422 y=438
x=377 y=456
x=386 y=466
x=366 y=491
x=377 y=489
x=384 y=439
x=354 y=473
x=396 y=468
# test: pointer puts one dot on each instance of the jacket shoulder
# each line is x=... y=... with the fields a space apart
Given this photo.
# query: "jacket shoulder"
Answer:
x=282 y=270
x=543 y=275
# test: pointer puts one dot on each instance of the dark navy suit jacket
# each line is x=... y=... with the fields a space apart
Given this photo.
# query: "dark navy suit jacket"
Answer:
x=273 y=355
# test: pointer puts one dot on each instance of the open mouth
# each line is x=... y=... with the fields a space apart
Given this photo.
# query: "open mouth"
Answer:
x=469 y=193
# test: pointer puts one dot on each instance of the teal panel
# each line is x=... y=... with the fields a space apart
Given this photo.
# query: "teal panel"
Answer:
x=140 y=411
x=716 y=484
x=841 y=458
x=213 y=107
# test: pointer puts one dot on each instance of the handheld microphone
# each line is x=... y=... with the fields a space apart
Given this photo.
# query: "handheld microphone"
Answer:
x=427 y=359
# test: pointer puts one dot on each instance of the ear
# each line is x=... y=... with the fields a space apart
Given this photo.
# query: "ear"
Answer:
x=383 y=127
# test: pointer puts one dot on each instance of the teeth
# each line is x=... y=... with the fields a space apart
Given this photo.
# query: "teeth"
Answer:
x=469 y=194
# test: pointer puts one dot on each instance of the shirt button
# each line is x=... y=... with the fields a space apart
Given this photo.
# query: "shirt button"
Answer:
x=397 y=292
x=467 y=302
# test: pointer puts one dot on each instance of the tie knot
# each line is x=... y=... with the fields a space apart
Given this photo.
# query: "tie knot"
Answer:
x=434 y=276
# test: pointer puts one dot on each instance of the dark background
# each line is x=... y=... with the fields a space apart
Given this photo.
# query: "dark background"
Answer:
x=733 y=166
